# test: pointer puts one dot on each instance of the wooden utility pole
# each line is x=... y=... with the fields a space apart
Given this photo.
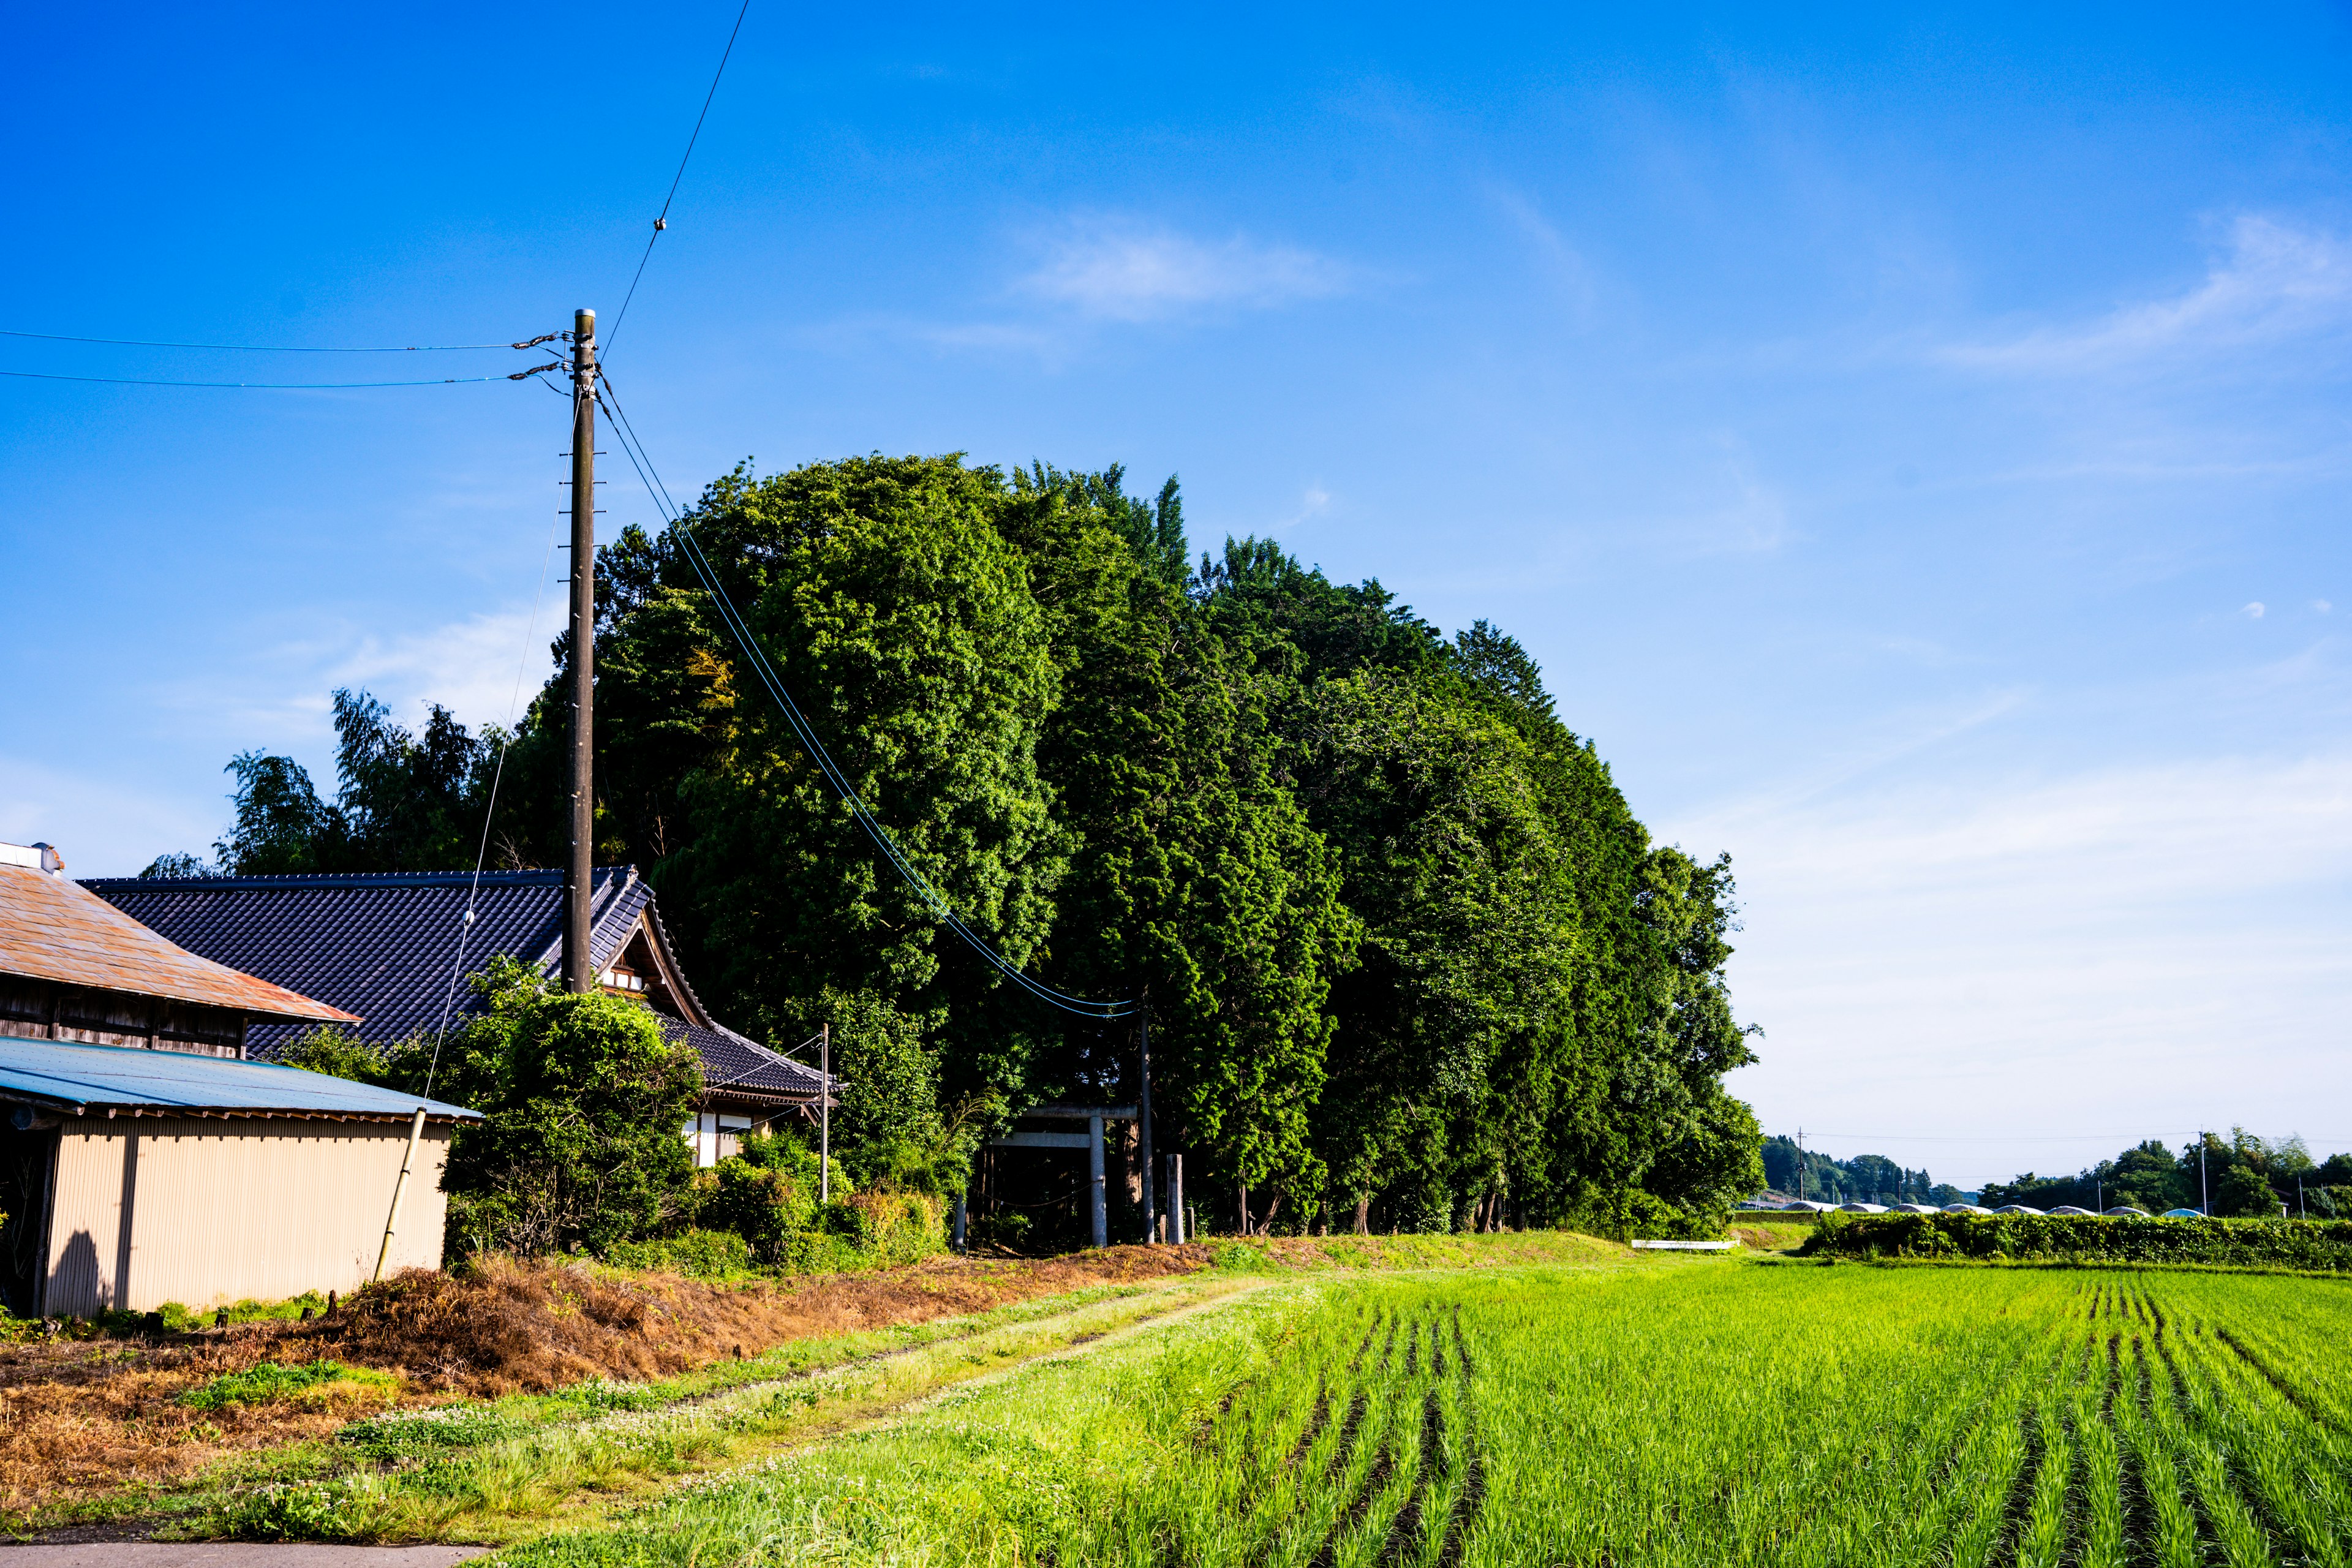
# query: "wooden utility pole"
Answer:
x=825 y=1116
x=579 y=964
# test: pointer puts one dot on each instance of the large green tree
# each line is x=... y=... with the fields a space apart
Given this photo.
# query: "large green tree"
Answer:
x=1409 y=957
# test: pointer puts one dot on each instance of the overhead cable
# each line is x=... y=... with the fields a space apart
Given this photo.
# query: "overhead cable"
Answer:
x=276 y=348
x=661 y=220
x=756 y=657
x=264 y=385
x=490 y=812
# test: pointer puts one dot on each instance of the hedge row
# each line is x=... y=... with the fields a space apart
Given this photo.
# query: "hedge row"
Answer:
x=2278 y=1242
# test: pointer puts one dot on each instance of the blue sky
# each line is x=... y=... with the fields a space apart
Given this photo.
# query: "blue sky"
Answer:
x=1917 y=446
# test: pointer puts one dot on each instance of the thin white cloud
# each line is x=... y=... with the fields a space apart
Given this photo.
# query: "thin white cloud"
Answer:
x=1559 y=260
x=280 y=702
x=2254 y=611
x=1313 y=502
x=484 y=668
x=2272 y=282
x=1115 y=269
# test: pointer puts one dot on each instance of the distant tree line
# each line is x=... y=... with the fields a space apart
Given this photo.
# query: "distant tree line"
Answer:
x=2245 y=1177
x=1865 y=1178
x=1410 y=957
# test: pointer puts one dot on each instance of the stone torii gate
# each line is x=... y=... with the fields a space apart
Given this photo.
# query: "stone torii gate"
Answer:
x=1091 y=1141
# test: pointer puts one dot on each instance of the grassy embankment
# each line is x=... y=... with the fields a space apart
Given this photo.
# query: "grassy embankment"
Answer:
x=1694 y=1414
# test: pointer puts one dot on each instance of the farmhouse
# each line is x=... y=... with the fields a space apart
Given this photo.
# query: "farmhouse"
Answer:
x=142 y=1160
x=393 y=948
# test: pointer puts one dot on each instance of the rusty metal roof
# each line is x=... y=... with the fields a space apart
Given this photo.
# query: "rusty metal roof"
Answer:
x=54 y=930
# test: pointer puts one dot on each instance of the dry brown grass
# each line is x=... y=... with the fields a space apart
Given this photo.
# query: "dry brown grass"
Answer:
x=82 y=1419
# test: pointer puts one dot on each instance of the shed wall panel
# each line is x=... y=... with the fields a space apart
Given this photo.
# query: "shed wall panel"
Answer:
x=208 y=1211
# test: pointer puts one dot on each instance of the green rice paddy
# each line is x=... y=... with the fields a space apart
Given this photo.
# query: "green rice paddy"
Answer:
x=1694 y=1412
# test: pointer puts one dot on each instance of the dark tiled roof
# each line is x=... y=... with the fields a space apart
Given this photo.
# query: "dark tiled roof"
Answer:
x=733 y=1065
x=383 y=947
x=52 y=929
x=386 y=947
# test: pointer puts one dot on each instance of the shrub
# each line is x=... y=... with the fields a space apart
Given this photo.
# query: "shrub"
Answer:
x=2278 y=1242
x=583 y=1098
x=697 y=1254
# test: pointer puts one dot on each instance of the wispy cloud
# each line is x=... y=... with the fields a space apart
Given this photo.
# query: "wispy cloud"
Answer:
x=1559 y=260
x=1313 y=501
x=1122 y=270
x=2272 y=282
x=281 y=700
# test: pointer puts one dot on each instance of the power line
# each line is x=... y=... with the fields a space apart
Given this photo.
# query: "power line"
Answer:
x=756 y=657
x=661 y=221
x=266 y=385
x=490 y=813
x=272 y=348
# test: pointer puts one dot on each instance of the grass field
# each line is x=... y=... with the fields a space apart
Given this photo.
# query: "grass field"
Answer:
x=1699 y=1411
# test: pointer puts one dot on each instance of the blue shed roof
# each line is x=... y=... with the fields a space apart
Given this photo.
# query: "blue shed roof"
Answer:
x=82 y=1077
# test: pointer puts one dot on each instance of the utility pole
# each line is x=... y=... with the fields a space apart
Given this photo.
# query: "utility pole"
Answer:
x=579 y=965
x=1143 y=1117
x=1801 y=1164
x=2204 y=1193
x=824 y=1115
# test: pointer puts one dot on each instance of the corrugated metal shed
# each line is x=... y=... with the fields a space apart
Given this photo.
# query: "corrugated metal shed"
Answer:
x=97 y=1078
x=209 y=1211
x=57 y=931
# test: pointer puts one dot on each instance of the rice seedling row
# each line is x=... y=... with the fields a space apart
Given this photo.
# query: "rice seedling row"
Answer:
x=1699 y=1411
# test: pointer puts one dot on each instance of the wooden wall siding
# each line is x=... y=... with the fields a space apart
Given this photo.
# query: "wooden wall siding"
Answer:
x=209 y=1212
x=47 y=1010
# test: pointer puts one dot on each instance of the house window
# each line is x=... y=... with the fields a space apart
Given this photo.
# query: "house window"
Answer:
x=623 y=982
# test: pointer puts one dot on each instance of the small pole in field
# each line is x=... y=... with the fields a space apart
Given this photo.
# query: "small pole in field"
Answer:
x=1095 y=1180
x=399 y=1190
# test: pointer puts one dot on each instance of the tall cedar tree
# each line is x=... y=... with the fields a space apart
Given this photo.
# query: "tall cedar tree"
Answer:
x=1410 y=959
